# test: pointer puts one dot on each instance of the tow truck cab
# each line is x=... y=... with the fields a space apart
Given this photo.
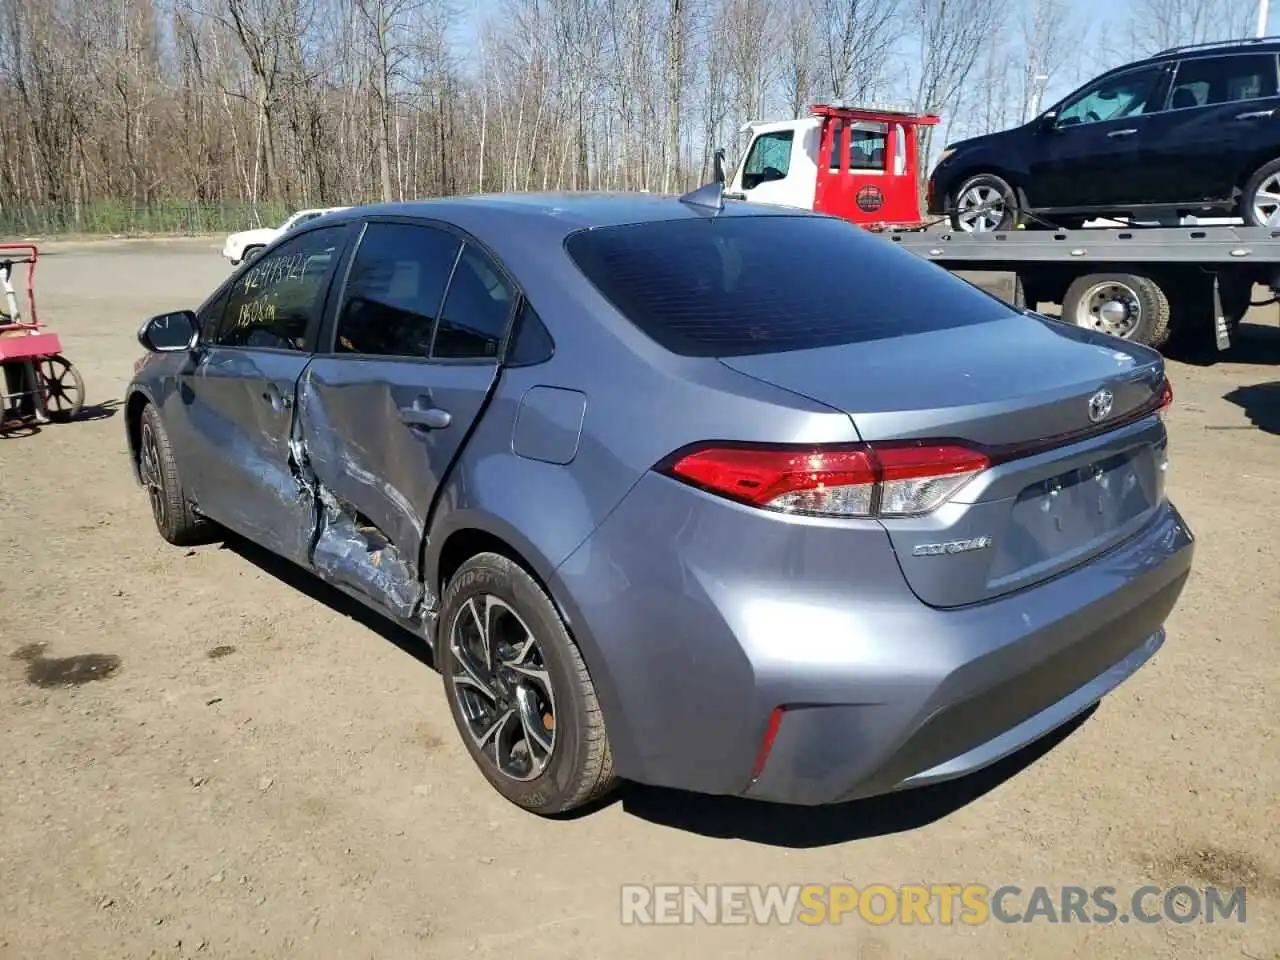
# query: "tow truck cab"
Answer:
x=857 y=162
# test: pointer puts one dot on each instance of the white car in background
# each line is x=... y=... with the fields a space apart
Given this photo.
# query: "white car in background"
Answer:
x=246 y=244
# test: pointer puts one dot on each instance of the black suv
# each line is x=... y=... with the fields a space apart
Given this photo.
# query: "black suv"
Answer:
x=1192 y=130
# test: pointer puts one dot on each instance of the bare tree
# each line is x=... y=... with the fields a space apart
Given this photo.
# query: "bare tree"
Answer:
x=1156 y=25
x=858 y=38
x=951 y=35
x=1046 y=28
x=802 y=55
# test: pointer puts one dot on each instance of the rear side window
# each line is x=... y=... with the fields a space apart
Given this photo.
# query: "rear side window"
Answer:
x=476 y=310
x=1227 y=79
x=734 y=286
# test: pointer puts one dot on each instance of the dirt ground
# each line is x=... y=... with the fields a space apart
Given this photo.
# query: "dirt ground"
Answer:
x=204 y=753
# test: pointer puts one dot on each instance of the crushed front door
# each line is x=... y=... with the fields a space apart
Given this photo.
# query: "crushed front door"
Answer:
x=385 y=413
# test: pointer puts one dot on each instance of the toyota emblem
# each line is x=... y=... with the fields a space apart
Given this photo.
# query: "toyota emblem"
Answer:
x=1100 y=405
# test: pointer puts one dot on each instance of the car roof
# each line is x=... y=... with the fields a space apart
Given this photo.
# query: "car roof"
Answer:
x=1198 y=51
x=561 y=213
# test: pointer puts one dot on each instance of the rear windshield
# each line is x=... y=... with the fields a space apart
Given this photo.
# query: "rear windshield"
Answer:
x=733 y=286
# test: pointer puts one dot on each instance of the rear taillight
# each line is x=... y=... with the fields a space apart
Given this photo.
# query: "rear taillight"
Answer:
x=1166 y=394
x=903 y=479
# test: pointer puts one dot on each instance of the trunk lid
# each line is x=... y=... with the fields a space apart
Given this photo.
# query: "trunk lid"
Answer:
x=1064 y=486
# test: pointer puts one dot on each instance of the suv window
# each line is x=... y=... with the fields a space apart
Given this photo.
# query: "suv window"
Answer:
x=476 y=310
x=765 y=284
x=272 y=303
x=394 y=290
x=1210 y=80
x=1129 y=94
x=769 y=159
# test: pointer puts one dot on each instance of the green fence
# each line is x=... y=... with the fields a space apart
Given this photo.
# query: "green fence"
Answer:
x=114 y=218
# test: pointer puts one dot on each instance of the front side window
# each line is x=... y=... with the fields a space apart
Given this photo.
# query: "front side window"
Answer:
x=395 y=289
x=272 y=302
x=769 y=159
x=1211 y=80
x=1127 y=95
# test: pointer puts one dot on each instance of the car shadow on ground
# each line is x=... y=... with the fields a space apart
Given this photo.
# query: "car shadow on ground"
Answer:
x=807 y=827
x=312 y=586
x=1260 y=403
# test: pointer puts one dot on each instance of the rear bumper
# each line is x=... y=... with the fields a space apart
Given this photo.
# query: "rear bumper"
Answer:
x=694 y=640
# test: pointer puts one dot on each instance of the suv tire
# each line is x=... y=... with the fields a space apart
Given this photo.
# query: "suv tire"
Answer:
x=1253 y=186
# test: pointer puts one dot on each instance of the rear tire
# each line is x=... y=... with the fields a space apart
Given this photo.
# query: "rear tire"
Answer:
x=985 y=203
x=1260 y=198
x=1122 y=305
x=174 y=517
x=551 y=754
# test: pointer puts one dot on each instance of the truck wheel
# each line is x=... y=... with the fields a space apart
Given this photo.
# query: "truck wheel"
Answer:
x=984 y=203
x=1260 y=198
x=1122 y=305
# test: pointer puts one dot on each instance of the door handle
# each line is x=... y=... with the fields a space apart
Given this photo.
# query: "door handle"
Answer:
x=1255 y=114
x=1123 y=133
x=431 y=418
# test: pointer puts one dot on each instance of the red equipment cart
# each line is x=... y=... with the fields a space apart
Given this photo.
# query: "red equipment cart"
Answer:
x=39 y=383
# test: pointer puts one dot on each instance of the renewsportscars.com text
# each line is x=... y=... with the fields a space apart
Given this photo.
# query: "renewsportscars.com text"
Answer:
x=927 y=904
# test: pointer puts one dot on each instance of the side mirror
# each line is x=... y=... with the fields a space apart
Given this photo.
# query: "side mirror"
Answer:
x=1048 y=121
x=169 y=332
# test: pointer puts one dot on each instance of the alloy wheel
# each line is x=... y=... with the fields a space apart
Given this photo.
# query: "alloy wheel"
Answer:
x=152 y=479
x=1266 y=201
x=502 y=687
x=980 y=209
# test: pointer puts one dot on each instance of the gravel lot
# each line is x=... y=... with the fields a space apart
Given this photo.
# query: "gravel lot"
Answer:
x=204 y=753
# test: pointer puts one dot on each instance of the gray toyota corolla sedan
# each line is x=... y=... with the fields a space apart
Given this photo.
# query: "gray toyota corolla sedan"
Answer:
x=743 y=502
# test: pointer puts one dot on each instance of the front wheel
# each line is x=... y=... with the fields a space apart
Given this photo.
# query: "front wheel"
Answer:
x=158 y=470
x=1260 y=198
x=519 y=691
x=983 y=204
x=1122 y=305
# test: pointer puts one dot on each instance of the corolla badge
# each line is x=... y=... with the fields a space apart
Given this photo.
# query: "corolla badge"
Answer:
x=1100 y=405
x=950 y=547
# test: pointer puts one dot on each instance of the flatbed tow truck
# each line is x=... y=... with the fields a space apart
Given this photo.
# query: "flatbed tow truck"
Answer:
x=1140 y=283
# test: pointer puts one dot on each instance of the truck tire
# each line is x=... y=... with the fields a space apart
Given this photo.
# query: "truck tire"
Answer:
x=992 y=195
x=1123 y=305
